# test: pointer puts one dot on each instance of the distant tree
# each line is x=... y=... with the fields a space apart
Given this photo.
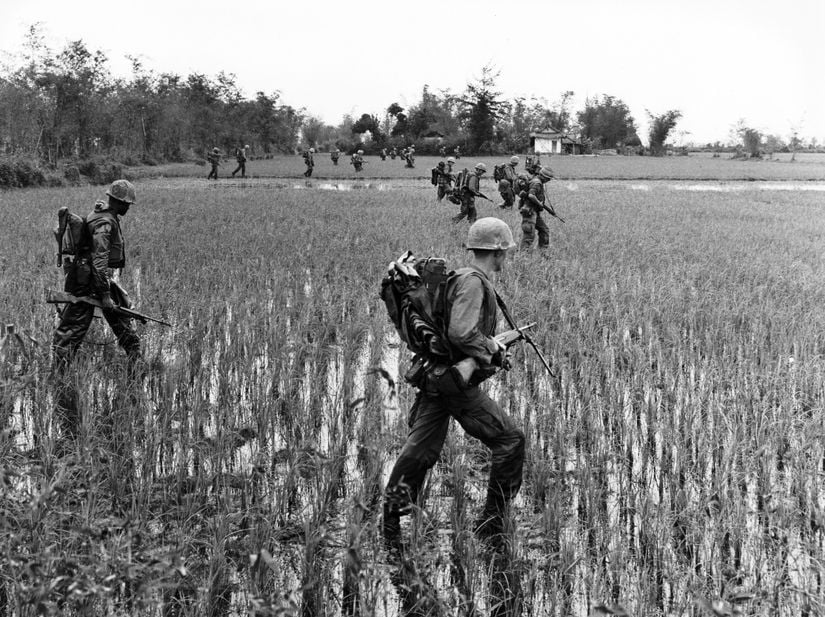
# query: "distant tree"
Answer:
x=660 y=127
x=366 y=123
x=400 y=127
x=482 y=109
x=606 y=121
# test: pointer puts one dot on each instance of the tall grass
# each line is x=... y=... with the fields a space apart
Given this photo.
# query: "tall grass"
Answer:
x=676 y=461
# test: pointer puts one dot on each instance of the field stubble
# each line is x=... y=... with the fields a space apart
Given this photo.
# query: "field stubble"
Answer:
x=678 y=459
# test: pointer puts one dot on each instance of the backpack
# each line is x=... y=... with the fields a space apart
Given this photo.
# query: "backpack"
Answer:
x=75 y=237
x=414 y=293
x=434 y=176
x=498 y=173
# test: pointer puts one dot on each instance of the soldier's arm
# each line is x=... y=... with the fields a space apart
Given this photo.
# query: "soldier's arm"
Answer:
x=532 y=196
x=465 y=314
x=101 y=244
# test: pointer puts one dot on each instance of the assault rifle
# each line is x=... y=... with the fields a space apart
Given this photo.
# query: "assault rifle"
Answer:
x=528 y=339
x=548 y=207
x=63 y=297
x=482 y=195
x=468 y=366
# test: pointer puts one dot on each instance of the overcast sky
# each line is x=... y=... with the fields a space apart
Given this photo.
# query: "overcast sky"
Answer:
x=715 y=60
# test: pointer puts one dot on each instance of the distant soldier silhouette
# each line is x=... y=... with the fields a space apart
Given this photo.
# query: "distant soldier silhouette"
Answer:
x=240 y=156
x=309 y=162
x=334 y=155
x=214 y=159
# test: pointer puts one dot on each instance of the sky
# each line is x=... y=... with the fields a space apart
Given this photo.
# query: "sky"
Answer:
x=716 y=61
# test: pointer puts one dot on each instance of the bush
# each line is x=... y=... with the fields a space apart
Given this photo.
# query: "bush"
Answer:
x=100 y=171
x=19 y=173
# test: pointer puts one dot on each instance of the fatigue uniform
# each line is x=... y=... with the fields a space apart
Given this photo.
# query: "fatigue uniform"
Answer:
x=531 y=219
x=334 y=156
x=444 y=182
x=506 y=186
x=309 y=163
x=240 y=156
x=472 y=322
x=214 y=159
x=90 y=275
x=468 y=200
x=410 y=158
x=357 y=161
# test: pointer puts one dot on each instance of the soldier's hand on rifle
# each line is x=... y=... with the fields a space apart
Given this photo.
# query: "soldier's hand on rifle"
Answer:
x=106 y=301
x=501 y=357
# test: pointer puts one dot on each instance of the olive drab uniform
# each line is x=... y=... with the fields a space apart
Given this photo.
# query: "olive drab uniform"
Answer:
x=357 y=161
x=506 y=186
x=471 y=324
x=90 y=274
x=309 y=162
x=444 y=181
x=214 y=159
x=240 y=156
x=468 y=199
x=334 y=155
x=531 y=219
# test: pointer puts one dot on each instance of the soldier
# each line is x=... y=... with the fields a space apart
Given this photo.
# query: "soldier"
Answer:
x=457 y=152
x=334 y=156
x=442 y=152
x=410 y=157
x=214 y=159
x=393 y=153
x=472 y=310
x=240 y=156
x=530 y=207
x=91 y=275
x=309 y=162
x=357 y=160
x=533 y=164
x=506 y=185
x=450 y=163
x=469 y=193
x=383 y=154
x=443 y=180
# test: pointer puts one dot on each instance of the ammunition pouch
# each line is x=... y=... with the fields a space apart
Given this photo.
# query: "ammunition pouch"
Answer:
x=78 y=272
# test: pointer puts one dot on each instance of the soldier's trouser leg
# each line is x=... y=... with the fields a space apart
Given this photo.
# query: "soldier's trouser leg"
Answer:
x=74 y=323
x=528 y=228
x=126 y=337
x=472 y=213
x=464 y=211
x=442 y=192
x=544 y=232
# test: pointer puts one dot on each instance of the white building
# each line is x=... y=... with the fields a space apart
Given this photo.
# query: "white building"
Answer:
x=553 y=142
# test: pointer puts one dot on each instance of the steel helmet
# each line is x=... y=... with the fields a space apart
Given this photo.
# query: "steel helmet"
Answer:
x=312 y=150
x=451 y=159
x=480 y=167
x=490 y=234
x=215 y=150
x=545 y=174
x=514 y=160
x=246 y=146
x=441 y=163
x=122 y=190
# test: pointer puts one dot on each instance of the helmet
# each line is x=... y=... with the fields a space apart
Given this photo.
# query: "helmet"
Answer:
x=312 y=150
x=215 y=150
x=490 y=234
x=451 y=159
x=480 y=167
x=246 y=146
x=441 y=163
x=360 y=152
x=122 y=190
x=545 y=174
x=514 y=160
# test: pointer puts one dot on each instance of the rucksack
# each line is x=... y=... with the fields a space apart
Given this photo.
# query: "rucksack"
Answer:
x=434 y=178
x=414 y=293
x=75 y=237
x=498 y=173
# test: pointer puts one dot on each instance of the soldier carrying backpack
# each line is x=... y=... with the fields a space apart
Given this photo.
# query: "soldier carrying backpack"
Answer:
x=449 y=321
x=93 y=249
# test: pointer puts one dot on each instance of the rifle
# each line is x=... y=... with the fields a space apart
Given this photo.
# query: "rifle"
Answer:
x=483 y=196
x=62 y=217
x=468 y=366
x=549 y=209
x=63 y=297
x=509 y=319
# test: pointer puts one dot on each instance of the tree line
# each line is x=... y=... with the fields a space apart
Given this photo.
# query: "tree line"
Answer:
x=64 y=104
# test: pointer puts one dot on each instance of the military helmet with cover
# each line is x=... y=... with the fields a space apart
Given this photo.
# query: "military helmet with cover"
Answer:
x=490 y=234
x=122 y=190
x=451 y=159
x=545 y=174
x=480 y=167
x=514 y=160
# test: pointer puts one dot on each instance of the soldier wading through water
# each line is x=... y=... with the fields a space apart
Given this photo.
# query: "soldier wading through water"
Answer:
x=470 y=327
x=101 y=250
